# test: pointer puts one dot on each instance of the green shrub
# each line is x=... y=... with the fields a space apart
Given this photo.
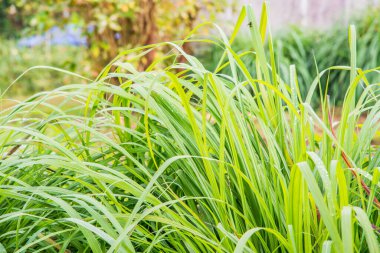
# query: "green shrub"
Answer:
x=181 y=159
x=113 y=26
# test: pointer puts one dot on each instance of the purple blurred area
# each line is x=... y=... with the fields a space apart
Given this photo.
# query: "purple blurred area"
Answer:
x=68 y=35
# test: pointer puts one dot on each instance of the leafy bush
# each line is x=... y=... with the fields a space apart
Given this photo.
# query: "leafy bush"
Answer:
x=113 y=26
x=181 y=159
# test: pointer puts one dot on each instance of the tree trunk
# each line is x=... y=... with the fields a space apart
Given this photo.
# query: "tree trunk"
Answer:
x=148 y=26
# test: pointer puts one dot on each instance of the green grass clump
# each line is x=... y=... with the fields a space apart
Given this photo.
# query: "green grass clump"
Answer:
x=181 y=159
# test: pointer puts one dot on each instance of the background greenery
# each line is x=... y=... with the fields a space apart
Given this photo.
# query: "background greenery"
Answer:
x=16 y=60
x=113 y=26
x=109 y=26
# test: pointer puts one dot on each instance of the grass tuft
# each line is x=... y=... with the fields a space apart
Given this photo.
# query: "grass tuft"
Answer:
x=181 y=159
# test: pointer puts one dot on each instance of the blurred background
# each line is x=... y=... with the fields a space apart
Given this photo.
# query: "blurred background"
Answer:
x=82 y=36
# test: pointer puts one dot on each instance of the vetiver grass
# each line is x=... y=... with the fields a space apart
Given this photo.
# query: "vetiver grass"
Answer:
x=181 y=159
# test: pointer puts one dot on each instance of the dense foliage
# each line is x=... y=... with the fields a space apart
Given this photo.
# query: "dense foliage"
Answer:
x=182 y=159
x=113 y=26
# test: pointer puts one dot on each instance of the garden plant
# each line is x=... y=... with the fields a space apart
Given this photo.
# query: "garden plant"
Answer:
x=178 y=158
